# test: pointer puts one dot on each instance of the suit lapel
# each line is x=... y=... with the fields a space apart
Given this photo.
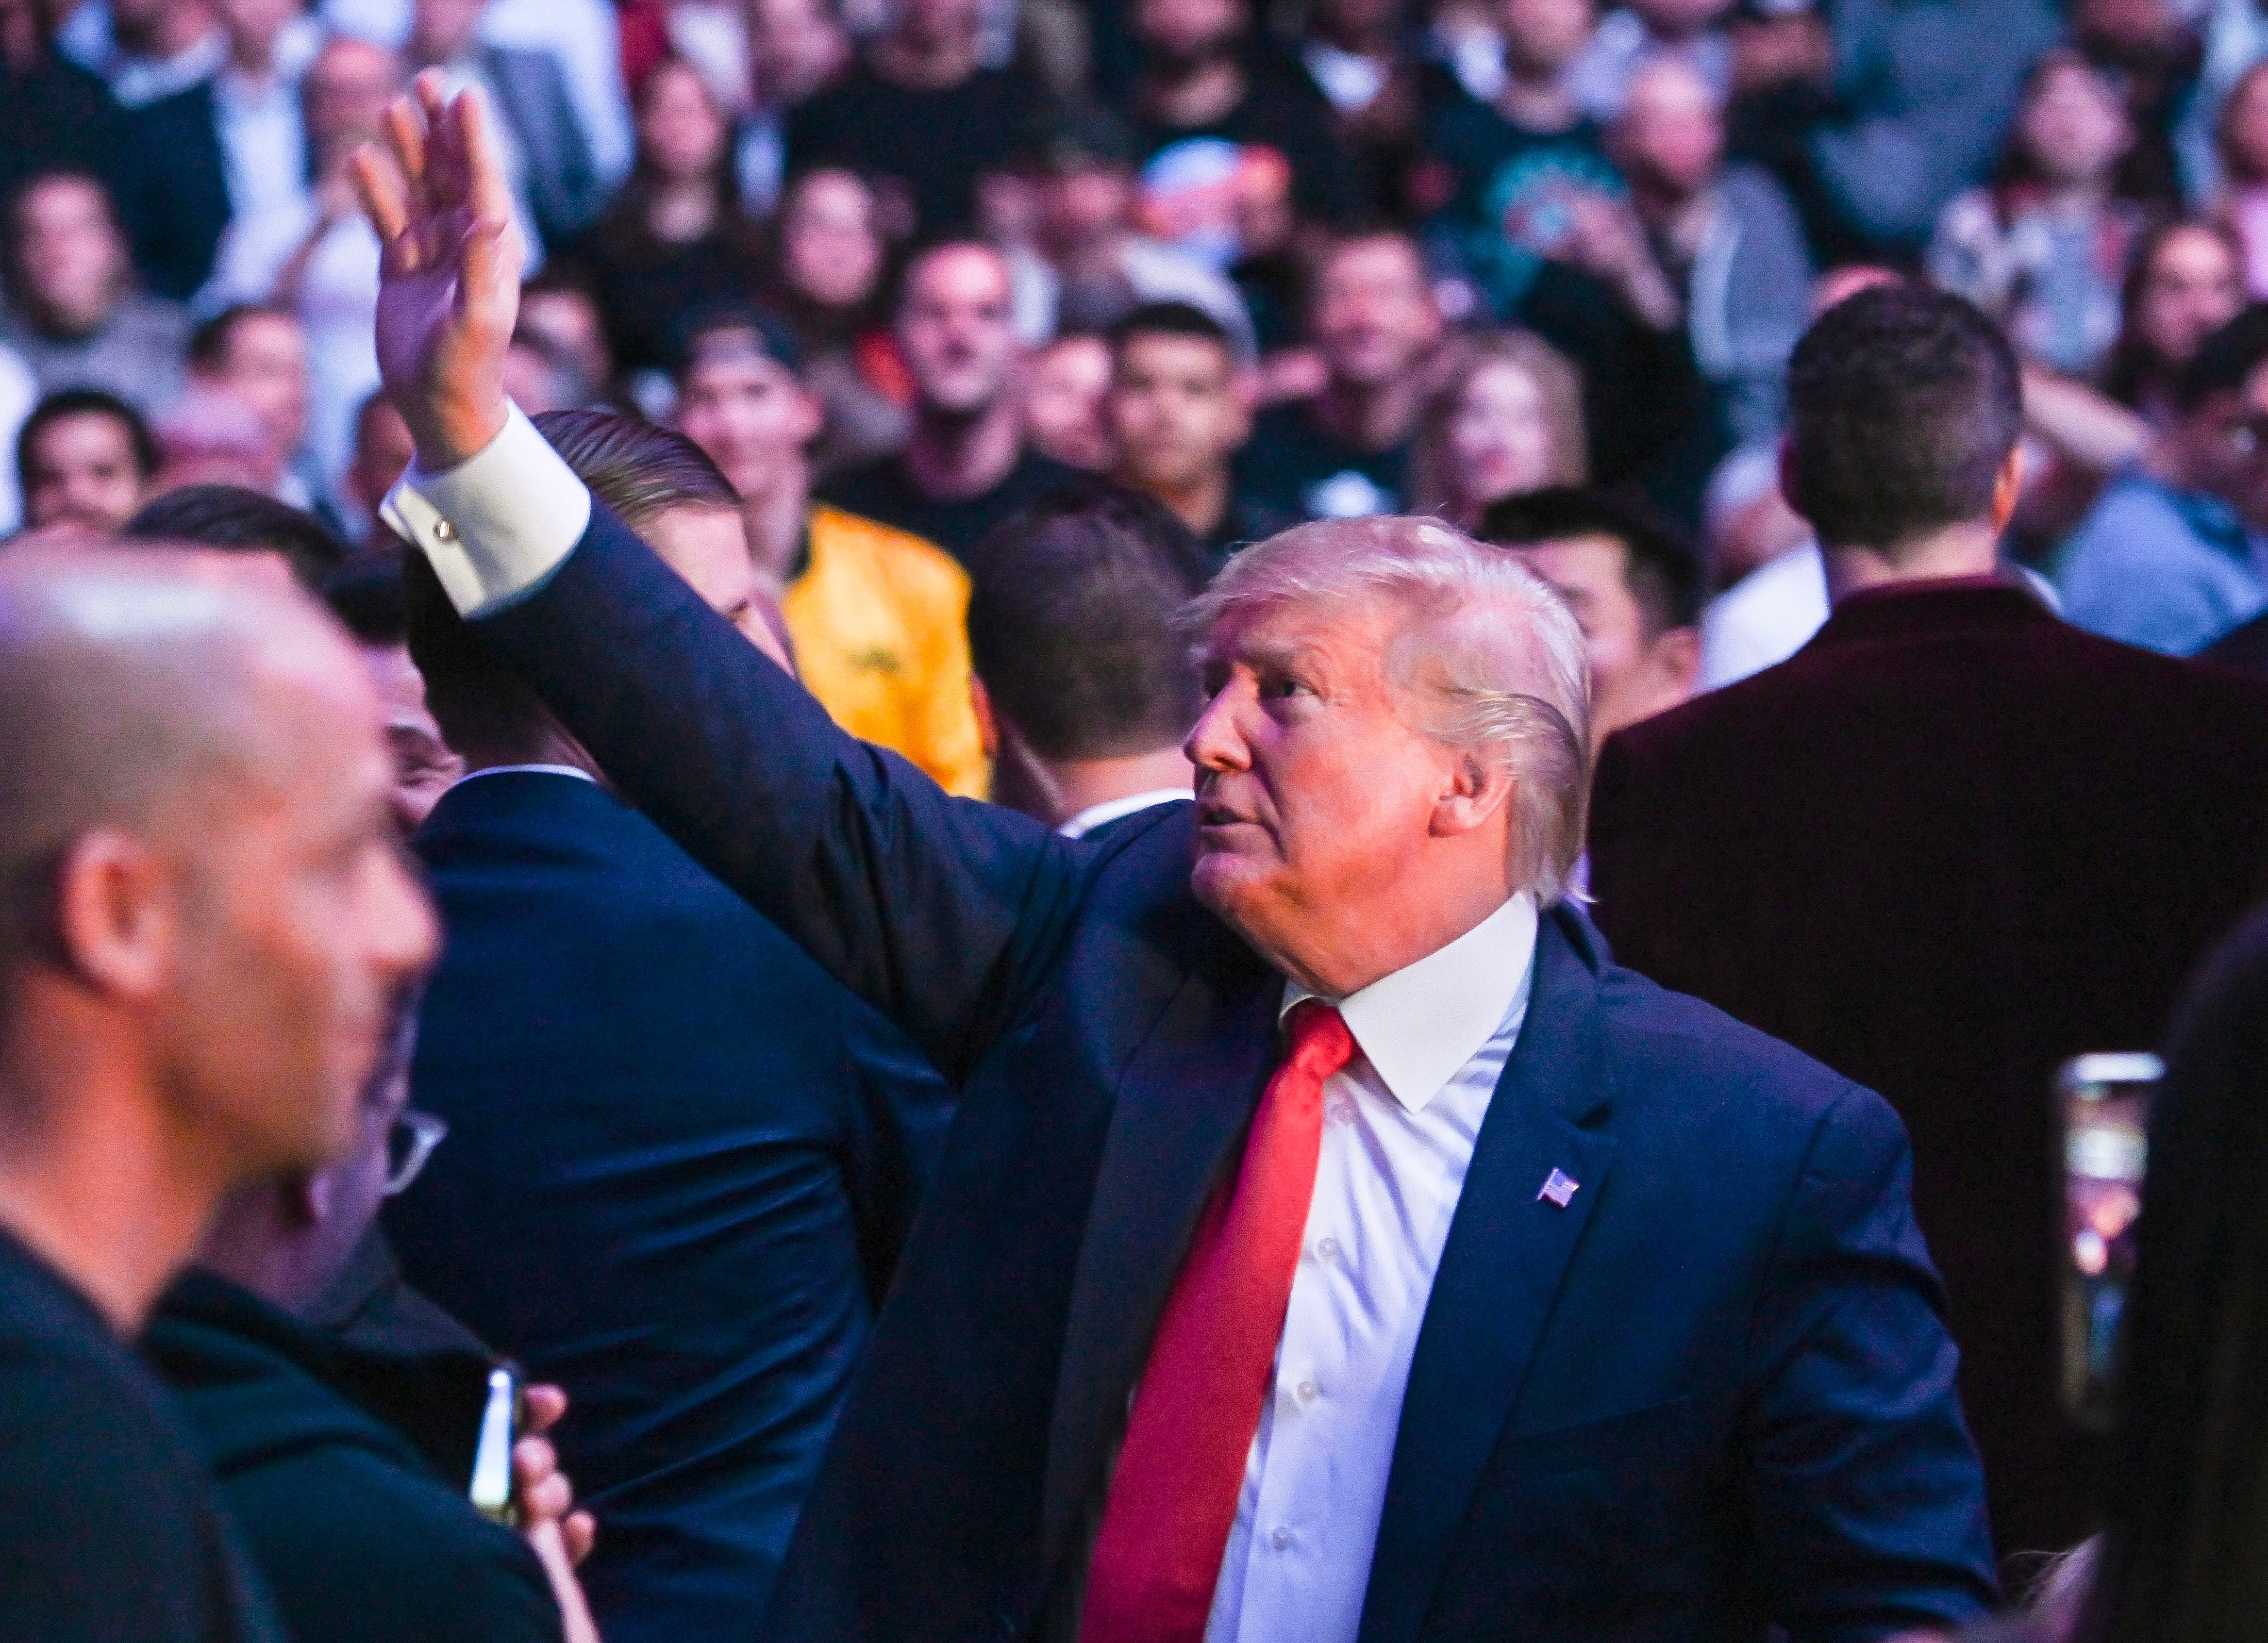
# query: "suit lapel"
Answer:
x=1183 y=1104
x=1507 y=1248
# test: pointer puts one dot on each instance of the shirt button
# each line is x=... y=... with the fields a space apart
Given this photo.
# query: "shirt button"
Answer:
x=1328 y=1249
x=1282 y=1539
x=1307 y=1391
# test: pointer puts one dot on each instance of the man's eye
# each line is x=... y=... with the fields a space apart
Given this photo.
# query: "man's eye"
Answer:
x=1282 y=686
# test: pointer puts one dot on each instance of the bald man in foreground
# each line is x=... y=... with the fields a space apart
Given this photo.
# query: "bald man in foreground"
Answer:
x=204 y=921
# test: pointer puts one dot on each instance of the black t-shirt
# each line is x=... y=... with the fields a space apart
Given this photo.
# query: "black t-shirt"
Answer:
x=647 y=288
x=934 y=143
x=110 y=1527
x=1294 y=466
x=1282 y=110
x=882 y=489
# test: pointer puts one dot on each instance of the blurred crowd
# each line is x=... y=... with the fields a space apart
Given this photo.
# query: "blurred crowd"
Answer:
x=1416 y=258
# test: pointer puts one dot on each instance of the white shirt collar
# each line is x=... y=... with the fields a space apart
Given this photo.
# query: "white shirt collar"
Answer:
x=528 y=770
x=1426 y=1019
x=1110 y=809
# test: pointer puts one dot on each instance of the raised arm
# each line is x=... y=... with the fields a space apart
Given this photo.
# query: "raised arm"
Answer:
x=944 y=913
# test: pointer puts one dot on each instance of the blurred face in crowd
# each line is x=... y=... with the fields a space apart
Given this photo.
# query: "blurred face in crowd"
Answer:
x=2245 y=127
x=1085 y=205
x=1183 y=33
x=2223 y=447
x=80 y=471
x=151 y=27
x=1499 y=435
x=1637 y=669
x=1062 y=402
x=424 y=766
x=956 y=330
x=70 y=261
x=2073 y=126
x=439 y=30
x=709 y=547
x=938 y=23
x=346 y=90
x=830 y=247
x=382 y=452
x=265 y=366
x=252 y=25
x=1374 y=315
x=795 y=47
x=568 y=321
x=2192 y=287
x=1174 y=412
x=1671 y=136
x=749 y=415
x=1540 y=37
x=680 y=132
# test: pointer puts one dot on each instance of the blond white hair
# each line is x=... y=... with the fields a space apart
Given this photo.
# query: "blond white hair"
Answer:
x=1488 y=655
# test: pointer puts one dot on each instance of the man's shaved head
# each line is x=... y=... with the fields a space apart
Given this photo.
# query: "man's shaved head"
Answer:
x=196 y=859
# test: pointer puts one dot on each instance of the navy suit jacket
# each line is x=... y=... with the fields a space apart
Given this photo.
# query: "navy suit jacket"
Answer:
x=173 y=190
x=1713 y=1392
x=680 y=1166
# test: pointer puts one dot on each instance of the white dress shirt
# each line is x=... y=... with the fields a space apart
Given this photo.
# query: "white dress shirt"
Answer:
x=1110 y=809
x=1399 y=1126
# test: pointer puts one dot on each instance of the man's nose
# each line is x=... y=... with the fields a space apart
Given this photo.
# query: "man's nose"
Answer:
x=1215 y=742
x=409 y=933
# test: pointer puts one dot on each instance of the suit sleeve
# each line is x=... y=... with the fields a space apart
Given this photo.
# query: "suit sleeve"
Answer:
x=1867 y=1498
x=900 y=1110
x=943 y=913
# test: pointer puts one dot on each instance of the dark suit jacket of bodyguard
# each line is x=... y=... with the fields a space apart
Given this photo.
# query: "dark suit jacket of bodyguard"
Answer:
x=1713 y=1392
x=680 y=1167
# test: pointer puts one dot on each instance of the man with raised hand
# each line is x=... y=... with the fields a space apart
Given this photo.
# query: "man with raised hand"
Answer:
x=1332 y=1243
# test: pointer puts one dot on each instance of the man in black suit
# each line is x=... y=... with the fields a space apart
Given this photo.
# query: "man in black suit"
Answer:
x=681 y=1160
x=1517 y=1296
x=1949 y=844
x=1084 y=682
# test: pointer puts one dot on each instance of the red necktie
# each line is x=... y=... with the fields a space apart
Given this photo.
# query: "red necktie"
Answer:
x=1172 y=1497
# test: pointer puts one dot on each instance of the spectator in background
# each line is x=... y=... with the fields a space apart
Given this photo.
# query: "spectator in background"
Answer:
x=382 y=452
x=1712 y=249
x=1642 y=32
x=827 y=275
x=876 y=616
x=85 y=459
x=1346 y=451
x=559 y=308
x=206 y=438
x=144 y=49
x=920 y=115
x=2180 y=1560
x=1635 y=589
x=1098 y=268
x=681 y=1160
x=2045 y=248
x=258 y=357
x=2186 y=282
x=965 y=466
x=1178 y=410
x=1935 y=821
x=55 y=115
x=365 y=594
x=73 y=315
x=1085 y=682
x=1063 y=401
x=674 y=238
x=1512 y=165
x=231 y=146
x=1358 y=53
x=2172 y=556
x=541 y=377
x=206 y=923
x=796 y=48
x=1205 y=82
x=1508 y=418
x=343 y=1465
x=2243 y=144
x=546 y=153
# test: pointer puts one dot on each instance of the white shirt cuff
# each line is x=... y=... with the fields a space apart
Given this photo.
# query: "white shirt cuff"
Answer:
x=499 y=523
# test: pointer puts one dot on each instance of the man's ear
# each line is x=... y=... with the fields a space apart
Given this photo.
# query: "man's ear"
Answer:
x=2007 y=488
x=117 y=914
x=1477 y=788
x=1678 y=653
x=988 y=728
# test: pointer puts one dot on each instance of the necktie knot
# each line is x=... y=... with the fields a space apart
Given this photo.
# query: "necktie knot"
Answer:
x=1317 y=1038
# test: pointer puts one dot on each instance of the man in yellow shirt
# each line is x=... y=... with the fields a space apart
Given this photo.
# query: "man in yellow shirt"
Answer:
x=877 y=618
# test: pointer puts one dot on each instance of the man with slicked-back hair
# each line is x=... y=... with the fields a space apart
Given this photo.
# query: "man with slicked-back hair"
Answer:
x=204 y=924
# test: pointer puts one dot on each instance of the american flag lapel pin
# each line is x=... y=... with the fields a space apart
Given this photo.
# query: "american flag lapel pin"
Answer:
x=1559 y=1188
